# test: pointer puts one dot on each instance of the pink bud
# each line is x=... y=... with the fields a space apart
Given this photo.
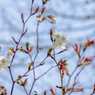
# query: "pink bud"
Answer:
x=22 y=16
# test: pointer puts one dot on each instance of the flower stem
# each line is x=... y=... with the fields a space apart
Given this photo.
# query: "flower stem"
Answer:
x=71 y=76
x=59 y=71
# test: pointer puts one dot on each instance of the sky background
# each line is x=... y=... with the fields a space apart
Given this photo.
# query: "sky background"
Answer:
x=76 y=18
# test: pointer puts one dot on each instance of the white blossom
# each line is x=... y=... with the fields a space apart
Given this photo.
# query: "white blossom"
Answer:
x=4 y=62
x=39 y=19
x=58 y=44
x=60 y=39
x=10 y=52
x=51 y=19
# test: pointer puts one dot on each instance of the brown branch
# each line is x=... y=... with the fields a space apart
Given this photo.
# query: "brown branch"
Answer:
x=25 y=90
x=37 y=42
x=31 y=7
x=40 y=77
x=23 y=33
x=35 y=58
x=37 y=51
x=36 y=66
x=33 y=75
x=12 y=87
x=46 y=72
x=75 y=79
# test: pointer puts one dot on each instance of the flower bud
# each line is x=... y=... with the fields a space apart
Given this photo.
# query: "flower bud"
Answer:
x=43 y=9
x=36 y=10
x=14 y=40
x=25 y=82
x=49 y=51
x=21 y=49
x=22 y=17
x=39 y=19
x=51 y=34
x=45 y=1
x=52 y=19
x=31 y=48
x=27 y=45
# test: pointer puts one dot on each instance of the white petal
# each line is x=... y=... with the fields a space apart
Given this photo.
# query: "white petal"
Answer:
x=0 y=62
x=63 y=47
x=1 y=70
x=67 y=39
x=2 y=57
x=54 y=36
x=55 y=32
x=61 y=33
x=8 y=63
x=64 y=42
x=7 y=57
x=4 y=66
x=55 y=45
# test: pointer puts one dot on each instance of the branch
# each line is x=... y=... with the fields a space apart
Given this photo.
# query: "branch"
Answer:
x=45 y=72
x=75 y=79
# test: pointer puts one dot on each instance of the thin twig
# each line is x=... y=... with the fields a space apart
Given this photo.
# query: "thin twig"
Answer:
x=59 y=70
x=92 y=93
x=25 y=90
x=40 y=77
x=11 y=74
x=33 y=75
x=37 y=42
x=31 y=7
x=75 y=79
x=36 y=66
x=71 y=76
x=45 y=72
x=35 y=58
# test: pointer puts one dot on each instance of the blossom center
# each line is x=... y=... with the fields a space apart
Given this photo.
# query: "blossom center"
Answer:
x=3 y=61
x=64 y=38
x=58 y=36
x=60 y=44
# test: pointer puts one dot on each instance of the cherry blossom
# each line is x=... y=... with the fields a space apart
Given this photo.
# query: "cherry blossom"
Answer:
x=60 y=39
x=4 y=62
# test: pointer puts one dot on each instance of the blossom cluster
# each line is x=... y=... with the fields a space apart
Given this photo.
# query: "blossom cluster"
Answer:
x=4 y=62
x=60 y=39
